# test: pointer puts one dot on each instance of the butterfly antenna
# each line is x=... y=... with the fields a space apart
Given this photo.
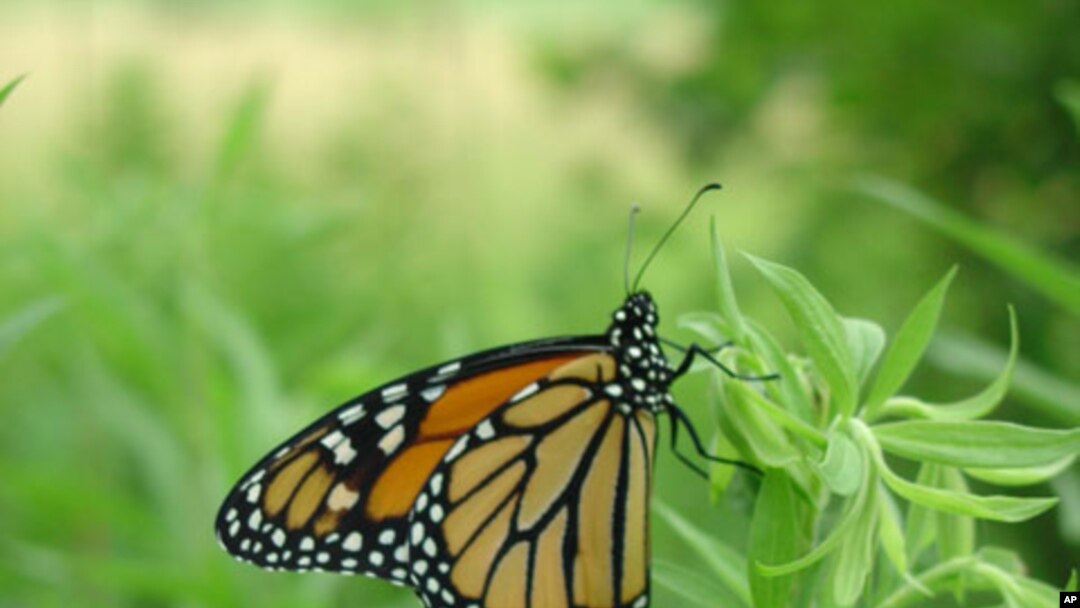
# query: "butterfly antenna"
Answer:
x=634 y=209
x=671 y=230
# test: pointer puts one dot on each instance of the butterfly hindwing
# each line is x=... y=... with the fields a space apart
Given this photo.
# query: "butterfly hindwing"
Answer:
x=337 y=495
x=544 y=503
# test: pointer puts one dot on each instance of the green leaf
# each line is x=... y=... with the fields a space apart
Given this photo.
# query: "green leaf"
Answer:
x=920 y=529
x=789 y=391
x=820 y=329
x=777 y=534
x=996 y=508
x=982 y=444
x=1054 y=278
x=843 y=464
x=852 y=508
x=765 y=439
x=729 y=307
x=1073 y=584
x=726 y=565
x=757 y=404
x=1024 y=476
x=10 y=87
x=892 y=537
x=969 y=356
x=865 y=339
x=908 y=346
x=956 y=533
x=855 y=560
x=912 y=592
x=973 y=407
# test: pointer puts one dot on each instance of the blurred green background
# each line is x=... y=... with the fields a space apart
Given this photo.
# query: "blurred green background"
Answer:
x=219 y=219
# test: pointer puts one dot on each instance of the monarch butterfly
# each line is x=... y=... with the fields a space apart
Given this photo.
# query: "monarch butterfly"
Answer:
x=513 y=477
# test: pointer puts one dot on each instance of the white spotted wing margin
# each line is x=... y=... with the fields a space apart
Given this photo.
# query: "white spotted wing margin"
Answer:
x=302 y=506
x=556 y=517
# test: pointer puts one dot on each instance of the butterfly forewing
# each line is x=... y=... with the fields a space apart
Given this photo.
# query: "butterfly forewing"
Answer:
x=338 y=494
x=543 y=504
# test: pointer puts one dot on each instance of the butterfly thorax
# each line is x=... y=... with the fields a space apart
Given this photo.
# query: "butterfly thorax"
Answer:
x=644 y=374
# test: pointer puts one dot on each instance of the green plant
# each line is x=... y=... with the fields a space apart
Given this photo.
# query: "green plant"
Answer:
x=827 y=526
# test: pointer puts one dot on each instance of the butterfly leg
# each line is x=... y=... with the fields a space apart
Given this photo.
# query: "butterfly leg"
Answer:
x=696 y=350
x=679 y=417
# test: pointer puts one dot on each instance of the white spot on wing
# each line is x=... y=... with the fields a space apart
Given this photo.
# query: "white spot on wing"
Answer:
x=344 y=453
x=392 y=440
x=393 y=393
x=352 y=414
x=525 y=392
x=485 y=430
x=433 y=393
x=352 y=542
x=390 y=416
x=341 y=498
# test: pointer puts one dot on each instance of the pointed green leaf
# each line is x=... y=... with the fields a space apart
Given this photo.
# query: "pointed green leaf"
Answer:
x=1024 y=476
x=711 y=327
x=1073 y=584
x=982 y=444
x=973 y=407
x=820 y=329
x=729 y=307
x=908 y=346
x=789 y=390
x=865 y=339
x=1054 y=278
x=996 y=508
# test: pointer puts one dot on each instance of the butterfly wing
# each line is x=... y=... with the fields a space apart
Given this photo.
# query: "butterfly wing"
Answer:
x=543 y=504
x=338 y=494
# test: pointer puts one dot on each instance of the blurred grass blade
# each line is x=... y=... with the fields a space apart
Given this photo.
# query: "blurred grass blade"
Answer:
x=973 y=407
x=907 y=347
x=866 y=339
x=1068 y=94
x=711 y=327
x=10 y=87
x=1056 y=279
x=982 y=444
x=820 y=329
x=728 y=566
x=1021 y=476
x=973 y=357
x=777 y=535
x=956 y=533
x=995 y=508
x=726 y=303
x=700 y=591
x=242 y=132
x=13 y=328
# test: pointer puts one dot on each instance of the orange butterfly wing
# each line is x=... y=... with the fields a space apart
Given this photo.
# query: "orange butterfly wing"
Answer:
x=544 y=504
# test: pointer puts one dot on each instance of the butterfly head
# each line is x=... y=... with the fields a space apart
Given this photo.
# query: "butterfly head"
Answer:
x=643 y=369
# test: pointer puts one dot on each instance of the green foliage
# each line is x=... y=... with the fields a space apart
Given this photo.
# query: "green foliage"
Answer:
x=8 y=88
x=827 y=518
